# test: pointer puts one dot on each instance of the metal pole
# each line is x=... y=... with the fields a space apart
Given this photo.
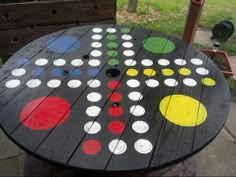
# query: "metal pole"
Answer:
x=193 y=17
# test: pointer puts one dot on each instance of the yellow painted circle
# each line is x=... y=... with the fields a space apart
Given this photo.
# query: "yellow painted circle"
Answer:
x=183 y=110
x=208 y=81
x=184 y=71
x=167 y=72
x=149 y=72
x=132 y=72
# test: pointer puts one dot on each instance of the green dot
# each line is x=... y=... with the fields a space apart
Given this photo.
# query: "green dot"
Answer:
x=158 y=45
x=111 y=37
x=125 y=30
x=112 y=45
x=113 y=62
x=111 y=53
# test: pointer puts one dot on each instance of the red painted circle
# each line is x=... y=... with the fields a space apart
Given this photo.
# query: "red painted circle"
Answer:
x=114 y=84
x=91 y=147
x=45 y=113
x=115 y=97
x=116 y=127
x=115 y=111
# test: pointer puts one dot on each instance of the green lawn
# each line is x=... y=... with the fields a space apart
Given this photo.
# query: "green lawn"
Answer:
x=169 y=16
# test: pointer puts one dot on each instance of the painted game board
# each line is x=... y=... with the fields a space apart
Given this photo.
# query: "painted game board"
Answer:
x=112 y=98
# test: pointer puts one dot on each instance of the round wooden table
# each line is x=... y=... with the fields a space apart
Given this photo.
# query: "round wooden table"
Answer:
x=112 y=98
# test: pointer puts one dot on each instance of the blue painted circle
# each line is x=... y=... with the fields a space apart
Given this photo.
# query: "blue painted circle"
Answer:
x=57 y=72
x=38 y=72
x=63 y=44
x=93 y=72
x=22 y=61
x=75 y=72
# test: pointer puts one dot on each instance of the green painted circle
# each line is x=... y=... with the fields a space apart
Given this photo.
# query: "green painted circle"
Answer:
x=111 y=37
x=112 y=45
x=112 y=53
x=113 y=62
x=158 y=45
x=125 y=30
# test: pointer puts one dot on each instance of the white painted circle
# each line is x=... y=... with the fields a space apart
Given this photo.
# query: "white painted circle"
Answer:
x=202 y=71
x=129 y=53
x=152 y=83
x=133 y=83
x=59 y=62
x=163 y=62
x=126 y=37
x=147 y=62
x=96 y=53
x=33 y=83
x=93 y=111
x=77 y=62
x=94 y=83
x=127 y=44
x=135 y=96
x=94 y=62
x=74 y=83
x=41 y=62
x=171 y=82
x=137 y=110
x=18 y=72
x=54 y=83
x=180 y=62
x=12 y=83
x=97 y=30
x=96 y=44
x=130 y=62
x=143 y=146
x=96 y=37
x=189 y=82
x=92 y=127
x=111 y=30
x=117 y=146
x=140 y=126
x=196 y=61
x=94 y=97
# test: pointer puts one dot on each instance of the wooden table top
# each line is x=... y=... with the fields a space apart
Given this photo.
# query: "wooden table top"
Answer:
x=112 y=98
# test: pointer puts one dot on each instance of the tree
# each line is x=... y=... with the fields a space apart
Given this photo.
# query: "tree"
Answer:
x=132 y=5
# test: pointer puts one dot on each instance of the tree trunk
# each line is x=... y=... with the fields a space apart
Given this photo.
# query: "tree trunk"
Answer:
x=132 y=6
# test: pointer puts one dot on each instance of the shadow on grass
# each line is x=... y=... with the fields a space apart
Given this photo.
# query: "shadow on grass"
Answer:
x=232 y=88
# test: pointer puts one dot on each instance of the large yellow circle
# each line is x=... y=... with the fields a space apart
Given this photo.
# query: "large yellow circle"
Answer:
x=183 y=110
x=208 y=81
x=184 y=71
x=167 y=72
x=149 y=72
x=132 y=72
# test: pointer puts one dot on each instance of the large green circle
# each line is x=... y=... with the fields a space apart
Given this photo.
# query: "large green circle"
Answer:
x=125 y=30
x=112 y=45
x=113 y=53
x=158 y=45
x=113 y=62
x=111 y=37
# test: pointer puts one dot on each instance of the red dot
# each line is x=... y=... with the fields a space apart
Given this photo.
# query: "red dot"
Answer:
x=115 y=111
x=45 y=113
x=116 y=127
x=91 y=147
x=114 y=84
x=115 y=97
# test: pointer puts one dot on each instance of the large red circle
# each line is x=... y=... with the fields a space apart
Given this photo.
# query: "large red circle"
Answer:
x=114 y=84
x=91 y=147
x=116 y=127
x=45 y=113
x=115 y=111
x=115 y=97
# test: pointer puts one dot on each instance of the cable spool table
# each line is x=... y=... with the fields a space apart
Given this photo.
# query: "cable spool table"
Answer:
x=112 y=98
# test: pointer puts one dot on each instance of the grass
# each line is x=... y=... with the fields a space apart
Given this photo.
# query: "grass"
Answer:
x=169 y=16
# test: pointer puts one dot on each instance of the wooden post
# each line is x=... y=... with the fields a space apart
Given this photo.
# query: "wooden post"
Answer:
x=132 y=5
x=194 y=13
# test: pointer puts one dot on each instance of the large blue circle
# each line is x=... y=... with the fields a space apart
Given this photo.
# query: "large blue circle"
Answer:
x=63 y=44
x=57 y=72
x=75 y=72
x=93 y=72
x=38 y=72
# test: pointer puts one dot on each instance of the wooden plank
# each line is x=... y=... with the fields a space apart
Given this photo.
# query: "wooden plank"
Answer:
x=153 y=118
x=14 y=39
x=55 y=12
x=177 y=133
x=17 y=96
